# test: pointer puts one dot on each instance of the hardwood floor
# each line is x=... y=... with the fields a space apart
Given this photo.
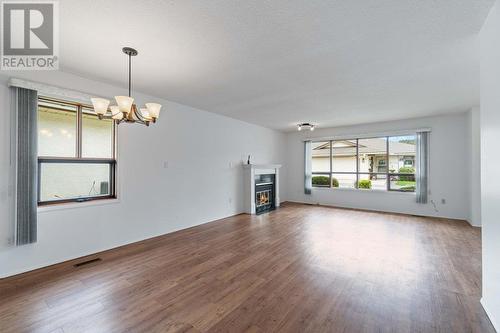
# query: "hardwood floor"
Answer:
x=298 y=269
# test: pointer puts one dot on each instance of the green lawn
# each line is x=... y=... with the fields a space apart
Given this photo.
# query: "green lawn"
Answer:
x=405 y=183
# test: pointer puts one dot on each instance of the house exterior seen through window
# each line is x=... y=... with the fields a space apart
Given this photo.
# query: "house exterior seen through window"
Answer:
x=76 y=153
x=382 y=163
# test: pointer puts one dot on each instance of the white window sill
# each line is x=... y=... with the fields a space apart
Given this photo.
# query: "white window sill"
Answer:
x=360 y=190
x=76 y=205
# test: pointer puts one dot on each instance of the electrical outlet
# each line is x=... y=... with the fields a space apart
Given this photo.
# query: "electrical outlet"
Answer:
x=10 y=241
x=165 y=165
x=443 y=201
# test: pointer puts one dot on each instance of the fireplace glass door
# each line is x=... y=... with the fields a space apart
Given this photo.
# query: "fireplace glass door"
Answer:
x=263 y=198
x=264 y=193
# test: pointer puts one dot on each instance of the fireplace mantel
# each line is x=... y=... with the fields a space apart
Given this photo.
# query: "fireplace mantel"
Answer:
x=250 y=171
x=262 y=166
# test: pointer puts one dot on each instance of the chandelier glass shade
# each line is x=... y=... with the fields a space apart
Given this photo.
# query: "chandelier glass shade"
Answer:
x=125 y=110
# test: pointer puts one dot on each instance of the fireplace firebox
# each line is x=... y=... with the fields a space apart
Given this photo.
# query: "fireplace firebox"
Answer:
x=264 y=193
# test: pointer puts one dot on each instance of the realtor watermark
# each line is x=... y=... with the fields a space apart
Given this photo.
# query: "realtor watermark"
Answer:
x=30 y=35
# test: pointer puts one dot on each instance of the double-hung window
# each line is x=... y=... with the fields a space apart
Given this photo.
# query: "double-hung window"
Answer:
x=76 y=153
x=379 y=163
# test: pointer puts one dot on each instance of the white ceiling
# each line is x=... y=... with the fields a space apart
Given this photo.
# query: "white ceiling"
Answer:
x=280 y=62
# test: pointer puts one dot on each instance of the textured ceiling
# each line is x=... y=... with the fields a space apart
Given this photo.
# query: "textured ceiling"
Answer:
x=277 y=63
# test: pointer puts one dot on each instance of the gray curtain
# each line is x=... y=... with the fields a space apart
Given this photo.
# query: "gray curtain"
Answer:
x=26 y=101
x=422 y=172
x=307 y=167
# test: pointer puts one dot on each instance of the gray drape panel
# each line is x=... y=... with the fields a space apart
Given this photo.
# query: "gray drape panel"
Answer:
x=307 y=167
x=422 y=172
x=26 y=101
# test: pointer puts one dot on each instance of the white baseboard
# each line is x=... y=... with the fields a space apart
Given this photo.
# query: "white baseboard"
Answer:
x=473 y=225
x=313 y=202
x=490 y=315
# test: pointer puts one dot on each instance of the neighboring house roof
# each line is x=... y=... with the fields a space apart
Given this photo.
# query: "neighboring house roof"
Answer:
x=375 y=146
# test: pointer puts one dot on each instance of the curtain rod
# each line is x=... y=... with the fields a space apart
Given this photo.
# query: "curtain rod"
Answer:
x=47 y=90
x=367 y=135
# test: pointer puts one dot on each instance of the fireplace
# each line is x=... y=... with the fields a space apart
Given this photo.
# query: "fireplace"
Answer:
x=264 y=193
x=261 y=187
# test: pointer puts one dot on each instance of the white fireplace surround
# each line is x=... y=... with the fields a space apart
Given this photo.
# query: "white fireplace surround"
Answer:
x=250 y=171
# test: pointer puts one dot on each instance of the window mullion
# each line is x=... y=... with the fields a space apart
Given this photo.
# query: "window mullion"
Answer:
x=388 y=179
x=331 y=162
x=115 y=134
x=112 y=179
x=357 y=163
x=39 y=181
x=79 y=133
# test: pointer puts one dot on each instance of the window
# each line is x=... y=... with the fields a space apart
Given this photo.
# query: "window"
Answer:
x=381 y=163
x=76 y=153
x=321 y=164
x=402 y=152
x=344 y=166
x=373 y=172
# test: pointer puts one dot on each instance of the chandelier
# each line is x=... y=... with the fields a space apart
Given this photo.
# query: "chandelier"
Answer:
x=126 y=110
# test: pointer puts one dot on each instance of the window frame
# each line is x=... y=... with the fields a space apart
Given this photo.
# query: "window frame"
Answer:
x=112 y=161
x=388 y=174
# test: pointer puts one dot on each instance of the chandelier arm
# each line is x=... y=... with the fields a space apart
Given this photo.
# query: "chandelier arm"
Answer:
x=139 y=115
x=145 y=123
x=142 y=122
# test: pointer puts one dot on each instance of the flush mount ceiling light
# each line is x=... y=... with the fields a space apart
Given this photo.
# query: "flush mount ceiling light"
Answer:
x=308 y=126
x=126 y=110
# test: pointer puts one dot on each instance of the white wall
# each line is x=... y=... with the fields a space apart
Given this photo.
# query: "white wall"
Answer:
x=474 y=165
x=202 y=181
x=449 y=172
x=490 y=160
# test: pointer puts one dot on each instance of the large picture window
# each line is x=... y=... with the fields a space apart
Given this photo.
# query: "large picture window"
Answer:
x=76 y=153
x=380 y=163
